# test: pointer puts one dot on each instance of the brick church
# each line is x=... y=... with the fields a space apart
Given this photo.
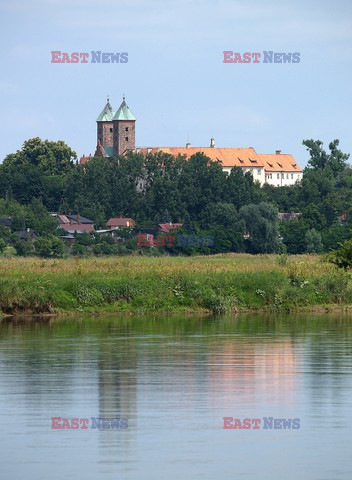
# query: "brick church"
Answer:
x=116 y=135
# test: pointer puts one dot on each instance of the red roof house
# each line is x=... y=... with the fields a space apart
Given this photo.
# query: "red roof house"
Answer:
x=119 y=222
x=166 y=227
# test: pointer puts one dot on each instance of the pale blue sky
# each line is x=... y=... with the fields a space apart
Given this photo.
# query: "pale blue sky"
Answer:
x=175 y=82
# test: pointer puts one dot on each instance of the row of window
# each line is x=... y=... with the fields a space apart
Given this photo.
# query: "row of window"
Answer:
x=270 y=175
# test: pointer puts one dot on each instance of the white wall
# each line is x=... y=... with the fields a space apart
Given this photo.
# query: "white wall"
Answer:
x=258 y=173
x=282 y=179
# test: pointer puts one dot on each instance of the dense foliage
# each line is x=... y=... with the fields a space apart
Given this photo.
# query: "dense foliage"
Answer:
x=44 y=177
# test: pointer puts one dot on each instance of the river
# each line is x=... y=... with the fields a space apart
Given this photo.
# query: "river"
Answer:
x=168 y=382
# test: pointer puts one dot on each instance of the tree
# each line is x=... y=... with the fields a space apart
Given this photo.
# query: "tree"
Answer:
x=313 y=241
x=335 y=161
x=342 y=257
x=166 y=217
x=37 y=170
x=201 y=183
x=53 y=158
x=240 y=188
x=226 y=225
x=50 y=246
x=2 y=245
x=261 y=224
x=293 y=233
x=187 y=223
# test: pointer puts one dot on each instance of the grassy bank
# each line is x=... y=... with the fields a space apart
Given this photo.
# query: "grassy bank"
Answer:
x=140 y=284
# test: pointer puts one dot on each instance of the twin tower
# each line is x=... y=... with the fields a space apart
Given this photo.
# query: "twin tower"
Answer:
x=115 y=131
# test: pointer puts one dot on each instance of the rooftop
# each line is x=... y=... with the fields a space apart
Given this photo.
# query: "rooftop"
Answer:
x=124 y=113
x=107 y=113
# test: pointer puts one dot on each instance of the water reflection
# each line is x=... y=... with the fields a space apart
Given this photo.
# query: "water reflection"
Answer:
x=174 y=378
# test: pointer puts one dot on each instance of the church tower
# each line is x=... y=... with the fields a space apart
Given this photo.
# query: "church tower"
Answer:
x=105 y=132
x=124 y=129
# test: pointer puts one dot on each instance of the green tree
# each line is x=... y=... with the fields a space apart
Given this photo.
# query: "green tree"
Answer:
x=261 y=224
x=335 y=161
x=2 y=245
x=293 y=234
x=166 y=217
x=313 y=241
x=187 y=223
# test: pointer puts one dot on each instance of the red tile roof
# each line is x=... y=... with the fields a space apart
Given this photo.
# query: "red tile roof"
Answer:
x=279 y=162
x=84 y=159
x=166 y=227
x=228 y=157
x=120 y=222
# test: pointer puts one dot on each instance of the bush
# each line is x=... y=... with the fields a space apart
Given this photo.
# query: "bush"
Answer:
x=341 y=257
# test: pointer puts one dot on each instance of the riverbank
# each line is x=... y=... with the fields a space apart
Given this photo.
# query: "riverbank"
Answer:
x=216 y=284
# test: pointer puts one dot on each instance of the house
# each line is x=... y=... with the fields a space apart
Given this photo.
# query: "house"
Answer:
x=69 y=238
x=120 y=222
x=116 y=136
x=27 y=234
x=285 y=217
x=77 y=228
x=73 y=219
x=166 y=227
x=74 y=223
x=281 y=169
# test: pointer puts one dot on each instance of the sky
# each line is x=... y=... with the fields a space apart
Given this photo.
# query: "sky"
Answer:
x=175 y=81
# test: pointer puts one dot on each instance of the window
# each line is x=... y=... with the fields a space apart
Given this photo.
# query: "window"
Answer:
x=291 y=175
x=283 y=175
x=126 y=139
x=126 y=129
x=278 y=175
x=110 y=130
x=287 y=176
x=259 y=171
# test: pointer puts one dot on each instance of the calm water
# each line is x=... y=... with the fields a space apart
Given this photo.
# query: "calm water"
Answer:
x=175 y=379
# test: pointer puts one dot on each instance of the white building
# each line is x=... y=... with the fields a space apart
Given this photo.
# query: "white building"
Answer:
x=276 y=169
x=281 y=169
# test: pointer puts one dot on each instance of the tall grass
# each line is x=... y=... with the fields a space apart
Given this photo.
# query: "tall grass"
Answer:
x=218 y=284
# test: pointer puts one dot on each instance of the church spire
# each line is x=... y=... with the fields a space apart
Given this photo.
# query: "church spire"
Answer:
x=124 y=112
x=107 y=112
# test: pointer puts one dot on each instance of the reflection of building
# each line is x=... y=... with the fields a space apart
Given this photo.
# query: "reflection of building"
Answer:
x=117 y=382
x=245 y=372
x=116 y=135
x=118 y=396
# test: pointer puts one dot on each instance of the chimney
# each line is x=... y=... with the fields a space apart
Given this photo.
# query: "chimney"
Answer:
x=277 y=152
x=78 y=218
x=188 y=145
x=212 y=142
